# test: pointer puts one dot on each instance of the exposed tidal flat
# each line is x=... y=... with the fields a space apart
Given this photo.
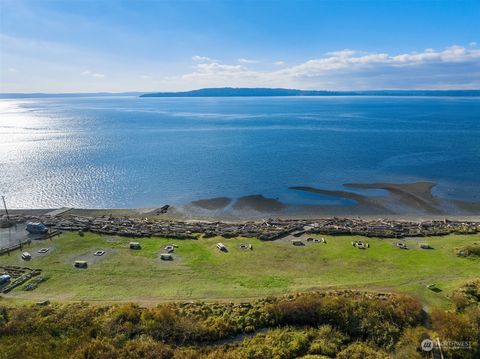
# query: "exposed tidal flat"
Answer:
x=244 y=157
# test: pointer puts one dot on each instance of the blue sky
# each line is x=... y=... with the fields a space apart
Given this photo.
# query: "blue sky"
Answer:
x=84 y=46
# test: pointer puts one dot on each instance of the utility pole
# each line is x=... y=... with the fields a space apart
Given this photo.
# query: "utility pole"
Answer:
x=6 y=210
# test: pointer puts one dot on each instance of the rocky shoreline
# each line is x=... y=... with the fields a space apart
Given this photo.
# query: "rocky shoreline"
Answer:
x=269 y=229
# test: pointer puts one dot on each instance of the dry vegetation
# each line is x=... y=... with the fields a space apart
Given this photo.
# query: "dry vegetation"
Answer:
x=341 y=324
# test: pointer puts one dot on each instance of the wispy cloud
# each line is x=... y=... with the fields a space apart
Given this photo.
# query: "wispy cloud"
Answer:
x=92 y=74
x=247 y=61
x=342 y=53
x=279 y=63
x=216 y=69
x=198 y=58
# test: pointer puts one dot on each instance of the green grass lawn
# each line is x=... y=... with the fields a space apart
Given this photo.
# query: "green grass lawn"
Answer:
x=200 y=272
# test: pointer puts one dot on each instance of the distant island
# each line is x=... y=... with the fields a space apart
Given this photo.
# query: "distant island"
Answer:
x=264 y=92
x=250 y=92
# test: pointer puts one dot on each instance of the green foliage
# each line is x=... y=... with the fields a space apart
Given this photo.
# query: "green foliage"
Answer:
x=123 y=321
x=164 y=323
x=363 y=317
x=3 y=317
x=97 y=349
x=145 y=348
x=471 y=250
x=328 y=341
x=279 y=343
x=458 y=327
x=360 y=350
x=467 y=295
x=342 y=324
x=408 y=346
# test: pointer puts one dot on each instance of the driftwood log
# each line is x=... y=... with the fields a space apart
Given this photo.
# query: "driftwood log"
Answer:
x=270 y=229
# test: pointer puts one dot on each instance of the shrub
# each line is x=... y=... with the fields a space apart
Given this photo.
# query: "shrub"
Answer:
x=361 y=351
x=408 y=347
x=97 y=349
x=363 y=317
x=164 y=324
x=471 y=250
x=315 y=324
x=457 y=327
x=278 y=343
x=145 y=348
x=123 y=320
x=328 y=341
x=467 y=295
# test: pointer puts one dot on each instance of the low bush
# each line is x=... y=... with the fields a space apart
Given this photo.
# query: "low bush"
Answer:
x=344 y=324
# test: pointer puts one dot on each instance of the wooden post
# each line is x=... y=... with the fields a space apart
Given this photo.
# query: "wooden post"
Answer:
x=440 y=348
x=6 y=210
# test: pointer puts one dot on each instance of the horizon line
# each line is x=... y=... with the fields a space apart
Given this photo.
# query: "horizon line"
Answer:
x=231 y=87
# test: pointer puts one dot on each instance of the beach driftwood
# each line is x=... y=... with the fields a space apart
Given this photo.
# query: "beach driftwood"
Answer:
x=19 y=276
x=266 y=230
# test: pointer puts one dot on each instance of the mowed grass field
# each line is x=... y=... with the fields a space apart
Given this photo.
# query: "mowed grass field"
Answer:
x=201 y=272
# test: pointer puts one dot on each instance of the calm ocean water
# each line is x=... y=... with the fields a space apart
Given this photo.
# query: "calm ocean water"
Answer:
x=145 y=152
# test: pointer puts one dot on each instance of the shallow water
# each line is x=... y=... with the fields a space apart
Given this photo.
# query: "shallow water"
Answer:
x=144 y=152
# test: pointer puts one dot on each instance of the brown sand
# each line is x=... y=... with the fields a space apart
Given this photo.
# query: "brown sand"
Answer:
x=373 y=203
x=416 y=195
x=258 y=203
x=410 y=200
x=213 y=203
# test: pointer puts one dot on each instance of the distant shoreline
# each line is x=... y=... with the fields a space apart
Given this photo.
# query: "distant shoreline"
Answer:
x=255 y=92
x=281 y=92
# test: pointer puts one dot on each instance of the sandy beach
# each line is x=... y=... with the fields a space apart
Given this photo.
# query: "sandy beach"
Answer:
x=409 y=201
x=398 y=200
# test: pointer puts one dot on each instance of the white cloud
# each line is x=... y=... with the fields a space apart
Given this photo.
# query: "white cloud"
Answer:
x=92 y=74
x=342 y=53
x=346 y=61
x=354 y=69
x=247 y=61
x=472 y=44
x=198 y=58
x=219 y=70
x=145 y=77
x=57 y=67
